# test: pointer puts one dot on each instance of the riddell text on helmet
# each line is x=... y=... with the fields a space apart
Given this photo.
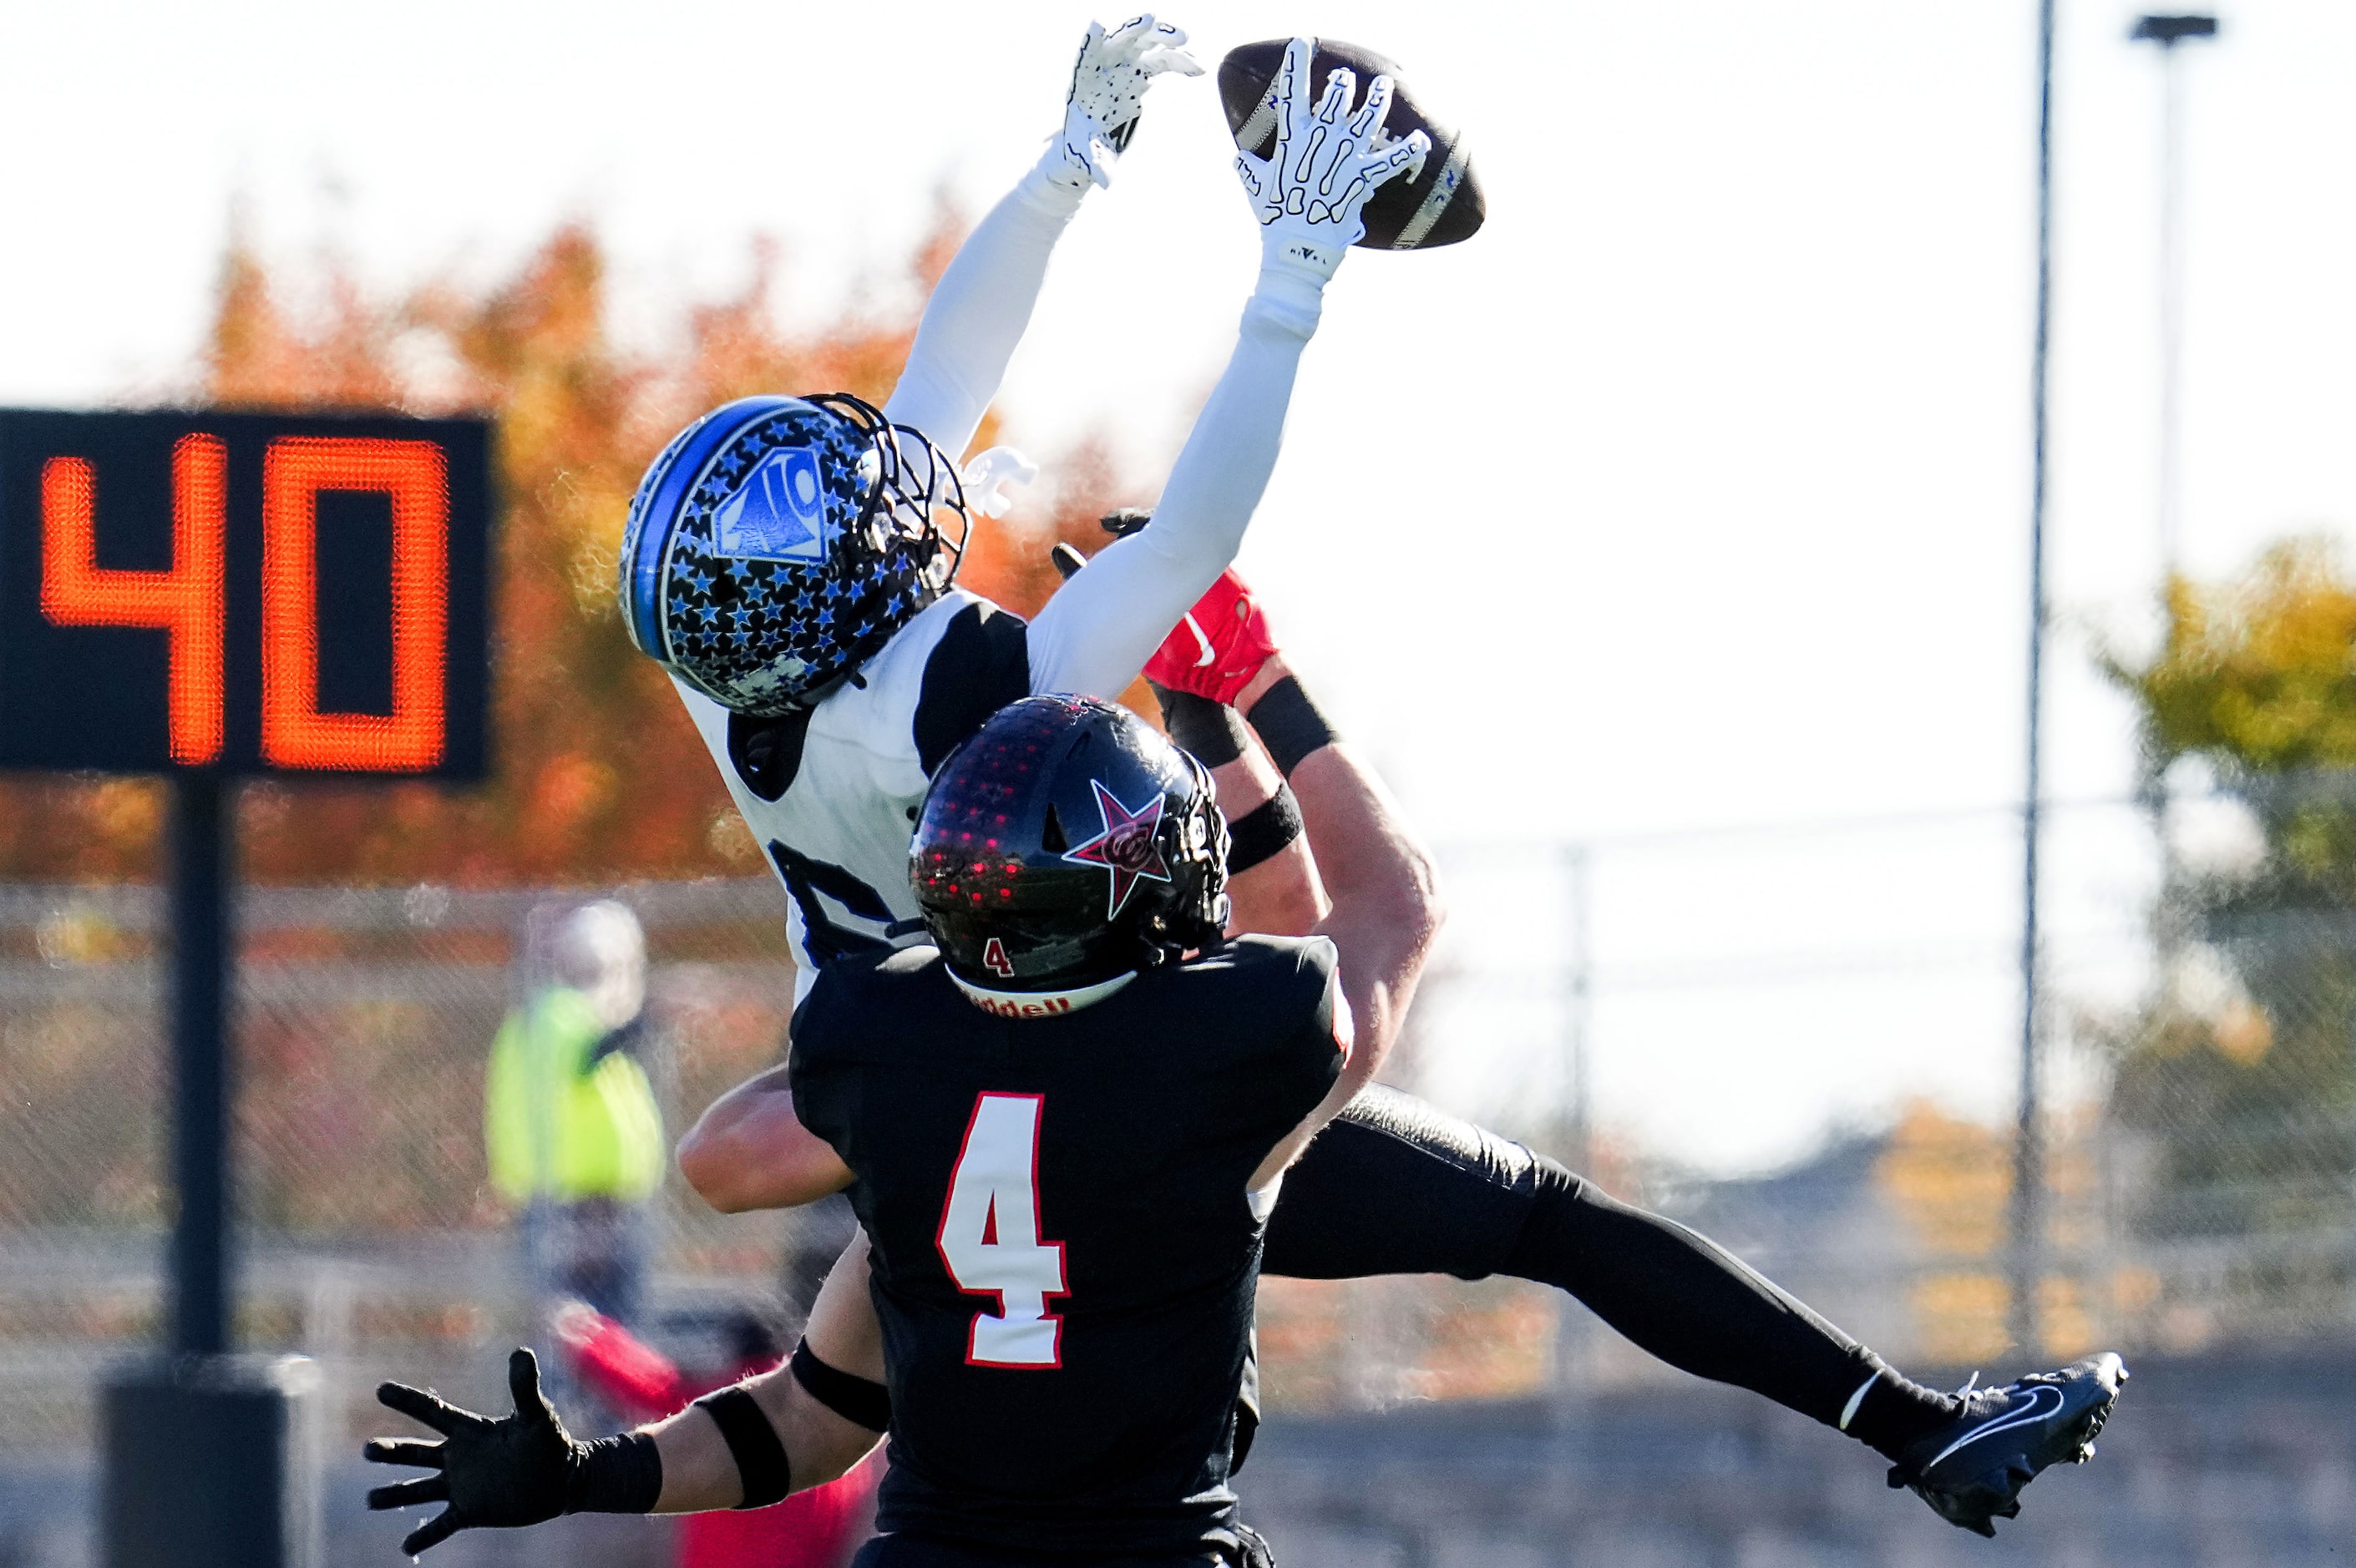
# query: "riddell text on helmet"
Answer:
x=1008 y=1007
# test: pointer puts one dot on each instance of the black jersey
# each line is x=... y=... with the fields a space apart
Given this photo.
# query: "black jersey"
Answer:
x=1064 y=1254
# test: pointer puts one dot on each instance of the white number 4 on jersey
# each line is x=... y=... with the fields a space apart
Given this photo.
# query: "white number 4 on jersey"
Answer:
x=989 y=1236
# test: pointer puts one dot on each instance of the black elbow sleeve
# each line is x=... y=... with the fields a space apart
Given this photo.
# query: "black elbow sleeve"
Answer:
x=860 y=1401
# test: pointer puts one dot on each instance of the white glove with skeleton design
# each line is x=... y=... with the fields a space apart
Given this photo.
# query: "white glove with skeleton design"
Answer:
x=1109 y=83
x=1309 y=194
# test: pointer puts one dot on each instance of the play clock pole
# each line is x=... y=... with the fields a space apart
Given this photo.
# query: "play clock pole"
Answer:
x=203 y=865
x=209 y=596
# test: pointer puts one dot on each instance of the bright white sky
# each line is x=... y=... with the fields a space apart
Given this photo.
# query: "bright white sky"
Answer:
x=1692 y=492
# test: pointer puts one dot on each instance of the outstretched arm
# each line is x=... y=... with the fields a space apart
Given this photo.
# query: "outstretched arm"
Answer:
x=1386 y=912
x=699 y=1471
x=526 y=1468
x=1097 y=633
x=982 y=305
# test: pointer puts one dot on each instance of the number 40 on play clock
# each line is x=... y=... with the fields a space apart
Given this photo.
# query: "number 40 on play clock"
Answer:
x=247 y=593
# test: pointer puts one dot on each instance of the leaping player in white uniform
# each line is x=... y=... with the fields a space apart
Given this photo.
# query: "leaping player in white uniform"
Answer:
x=790 y=560
x=786 y=558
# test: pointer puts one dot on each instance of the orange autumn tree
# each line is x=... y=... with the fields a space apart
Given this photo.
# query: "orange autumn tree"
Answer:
x=598 y=775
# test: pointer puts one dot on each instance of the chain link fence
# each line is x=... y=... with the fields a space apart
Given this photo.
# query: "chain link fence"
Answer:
x=2200 y=1181
x=369 y=1236
x=1661 y=1011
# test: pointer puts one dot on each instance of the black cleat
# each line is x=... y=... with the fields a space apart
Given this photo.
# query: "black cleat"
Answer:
x=1970 y=1470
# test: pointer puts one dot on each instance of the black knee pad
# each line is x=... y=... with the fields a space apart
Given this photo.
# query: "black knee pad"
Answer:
x=1397 y=1185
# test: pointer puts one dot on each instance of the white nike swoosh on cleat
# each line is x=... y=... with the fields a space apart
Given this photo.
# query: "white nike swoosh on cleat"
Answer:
x=1202 y=641
x=2036 y=1410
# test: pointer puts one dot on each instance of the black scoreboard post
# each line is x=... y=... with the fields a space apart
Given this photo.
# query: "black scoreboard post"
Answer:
x=211 y=596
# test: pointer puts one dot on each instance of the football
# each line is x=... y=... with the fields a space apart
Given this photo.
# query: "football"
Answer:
x=1439 y=206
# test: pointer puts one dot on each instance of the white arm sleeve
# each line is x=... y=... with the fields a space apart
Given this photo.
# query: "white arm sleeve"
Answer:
x=1097 y=633
x=978 y=313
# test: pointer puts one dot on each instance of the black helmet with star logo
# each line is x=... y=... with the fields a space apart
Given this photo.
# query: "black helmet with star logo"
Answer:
x=1064 y=846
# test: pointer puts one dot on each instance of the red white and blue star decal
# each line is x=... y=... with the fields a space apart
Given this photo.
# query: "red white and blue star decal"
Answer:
x=1127 y=846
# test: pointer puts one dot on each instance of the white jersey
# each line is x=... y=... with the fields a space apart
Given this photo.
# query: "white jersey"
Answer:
x=831 y=793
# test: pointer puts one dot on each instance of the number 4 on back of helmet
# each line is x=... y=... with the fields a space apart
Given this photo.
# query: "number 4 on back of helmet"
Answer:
x=1063 y=847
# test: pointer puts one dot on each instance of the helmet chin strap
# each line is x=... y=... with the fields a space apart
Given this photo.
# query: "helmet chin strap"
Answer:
x=1036 y=1003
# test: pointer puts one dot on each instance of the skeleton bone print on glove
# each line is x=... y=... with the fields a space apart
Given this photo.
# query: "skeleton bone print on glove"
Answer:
x=1108 y=94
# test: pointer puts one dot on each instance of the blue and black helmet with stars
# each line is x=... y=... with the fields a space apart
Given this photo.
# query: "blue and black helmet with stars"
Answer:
x=777 y=544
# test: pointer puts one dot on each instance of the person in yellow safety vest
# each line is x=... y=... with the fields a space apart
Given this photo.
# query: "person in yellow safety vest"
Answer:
x=573 y=1137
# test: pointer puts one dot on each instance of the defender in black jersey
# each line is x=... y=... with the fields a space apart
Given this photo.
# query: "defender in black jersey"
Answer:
x=1061 y=1121
x=1063 y=1253
x=1063 y=1126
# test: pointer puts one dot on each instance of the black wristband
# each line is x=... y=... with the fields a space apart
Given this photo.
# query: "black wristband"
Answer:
x=621 y=1474
x=1212 y=730
x=1261 y=833
x=1288 y=725
x=753 y=1443
x=863 y=1402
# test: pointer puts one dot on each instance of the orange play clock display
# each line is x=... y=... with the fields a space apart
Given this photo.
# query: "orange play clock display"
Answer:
x=251 y=592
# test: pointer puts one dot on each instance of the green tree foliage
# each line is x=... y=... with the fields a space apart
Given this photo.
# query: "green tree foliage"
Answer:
x=2247 y=1084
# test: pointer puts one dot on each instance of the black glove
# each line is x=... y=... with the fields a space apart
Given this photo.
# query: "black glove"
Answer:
x=1120 y=525
x=521 y=1469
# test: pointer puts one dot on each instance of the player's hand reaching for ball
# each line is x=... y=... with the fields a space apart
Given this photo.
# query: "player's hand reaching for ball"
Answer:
x=1107 y=92
x=519 y=1469
x=1308 y=195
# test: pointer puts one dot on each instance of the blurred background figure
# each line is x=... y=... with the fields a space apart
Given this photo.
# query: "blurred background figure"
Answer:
x=573 y=1137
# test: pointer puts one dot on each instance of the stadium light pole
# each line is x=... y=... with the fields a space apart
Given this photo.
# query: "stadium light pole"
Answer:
x=2170 y=929
x=2165 y=33
x=2029 y=1143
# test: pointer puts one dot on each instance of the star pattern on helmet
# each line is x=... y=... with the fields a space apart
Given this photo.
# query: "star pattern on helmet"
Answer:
x=763 y=636
x=1128 y=848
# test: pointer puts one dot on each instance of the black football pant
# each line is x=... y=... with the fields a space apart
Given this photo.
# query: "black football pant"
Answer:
x=1396 y=1185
